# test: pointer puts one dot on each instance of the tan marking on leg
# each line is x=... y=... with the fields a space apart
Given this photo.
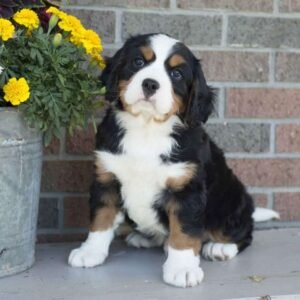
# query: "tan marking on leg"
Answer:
x=124 y=229
x=147 y=53
x=176 y=60
x=103 y=176
x=177 y=238
x=218 y=236
x=105 y=216
x=178 y=183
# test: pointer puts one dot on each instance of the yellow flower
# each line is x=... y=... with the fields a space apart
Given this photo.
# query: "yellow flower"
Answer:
x=70 y=23
x=7 y=29
x=77 y=36
x=91 y=42
x=55 y=11
x=27 y=18
x=16 y=91
x=98 y=59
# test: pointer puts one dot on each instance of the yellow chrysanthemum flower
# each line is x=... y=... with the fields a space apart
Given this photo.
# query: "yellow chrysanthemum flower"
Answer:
x=70 y=23
x=91 y=42
x=27 y=18
x=55 y=11
x=7 y=29
x=77 y=36
x=98 y=59
x=16 y=91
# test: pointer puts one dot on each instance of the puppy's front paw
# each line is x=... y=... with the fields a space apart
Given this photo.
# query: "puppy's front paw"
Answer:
x=186 y=277
x=85 y=257
x=182 y=268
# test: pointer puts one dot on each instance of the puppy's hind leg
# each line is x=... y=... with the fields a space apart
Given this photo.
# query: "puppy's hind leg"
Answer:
x=138 y=240
x=219 y=251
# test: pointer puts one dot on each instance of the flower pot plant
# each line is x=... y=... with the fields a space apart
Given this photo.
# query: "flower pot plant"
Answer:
x=49 y=67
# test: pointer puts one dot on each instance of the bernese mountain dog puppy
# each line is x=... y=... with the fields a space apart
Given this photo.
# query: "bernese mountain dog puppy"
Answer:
x=157 y=169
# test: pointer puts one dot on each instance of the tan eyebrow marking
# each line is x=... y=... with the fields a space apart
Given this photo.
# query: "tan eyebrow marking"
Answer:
x=147 y=53
x=176 y=60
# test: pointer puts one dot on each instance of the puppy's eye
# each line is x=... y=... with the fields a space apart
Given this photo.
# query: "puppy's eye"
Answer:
x=138 y=62
x=176 y=74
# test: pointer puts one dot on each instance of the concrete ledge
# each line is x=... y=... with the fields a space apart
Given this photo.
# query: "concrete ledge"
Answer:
x=270 y=267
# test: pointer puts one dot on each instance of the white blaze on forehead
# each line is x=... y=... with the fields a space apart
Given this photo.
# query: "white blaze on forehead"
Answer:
x=162 y=46
x=162 y=101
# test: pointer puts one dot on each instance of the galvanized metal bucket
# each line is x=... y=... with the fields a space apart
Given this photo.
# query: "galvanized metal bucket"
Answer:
x=20 y=174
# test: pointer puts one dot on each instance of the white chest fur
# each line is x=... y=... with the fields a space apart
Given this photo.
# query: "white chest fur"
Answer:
x=139 y=168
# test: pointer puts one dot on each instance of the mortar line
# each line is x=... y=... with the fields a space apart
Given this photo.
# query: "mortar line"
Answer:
x=272 y=138
x=284 y=189
x=61 y=210
x=177 y=11
x=245 y=155
x=118 y=27
x=277 y=225
x=244 y=84
x=249 y=120
x=224 y=48
x=221 y=108
x=62 y=148
x=224 y=30
x=272 y=67
x=173 y=4
x=271 y=200
x=64 y=194
x=276 y=7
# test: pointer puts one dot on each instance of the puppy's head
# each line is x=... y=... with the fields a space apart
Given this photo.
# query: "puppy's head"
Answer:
x=157 y=76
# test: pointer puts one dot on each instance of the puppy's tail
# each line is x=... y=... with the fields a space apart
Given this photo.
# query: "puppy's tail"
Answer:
x=264 y=214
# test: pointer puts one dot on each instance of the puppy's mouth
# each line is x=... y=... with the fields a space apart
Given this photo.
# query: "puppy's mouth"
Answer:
x=150 y=100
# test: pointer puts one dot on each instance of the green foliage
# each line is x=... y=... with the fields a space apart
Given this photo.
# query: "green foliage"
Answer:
x=63 y=83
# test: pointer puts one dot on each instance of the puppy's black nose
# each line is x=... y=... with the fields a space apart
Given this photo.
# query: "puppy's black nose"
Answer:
x=150 y=86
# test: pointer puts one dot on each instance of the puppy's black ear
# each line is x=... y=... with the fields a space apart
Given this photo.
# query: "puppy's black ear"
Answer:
x=109 y=77
x=201 y=100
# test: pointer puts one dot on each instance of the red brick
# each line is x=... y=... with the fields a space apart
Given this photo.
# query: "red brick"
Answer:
x=66 y=176
x=288 y=138
x=260 y=200
x=76 y=212
x=82 y=141
x=267 y=172
x=243 y=5
x=234 y=66
x=263 y=103
x=288 y=205
x=290 y=6
x=53 y=147
x=287 y=67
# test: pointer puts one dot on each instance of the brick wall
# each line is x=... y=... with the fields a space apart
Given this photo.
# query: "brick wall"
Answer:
x=250 y=52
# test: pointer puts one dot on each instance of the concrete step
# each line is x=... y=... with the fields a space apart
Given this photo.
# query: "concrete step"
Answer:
x=270 y=267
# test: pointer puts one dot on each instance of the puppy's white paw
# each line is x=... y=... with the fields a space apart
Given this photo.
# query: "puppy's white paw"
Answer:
x=182 y=269
x=219 y=251
x=93 y=251
x=187 y=277
x=137 y=240
x=86 y=258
